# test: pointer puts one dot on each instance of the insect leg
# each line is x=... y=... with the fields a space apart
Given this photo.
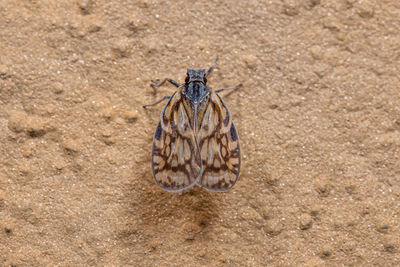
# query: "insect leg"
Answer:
x=229 y=88
x=158 y=101
x=165 y=80
x=212 y=67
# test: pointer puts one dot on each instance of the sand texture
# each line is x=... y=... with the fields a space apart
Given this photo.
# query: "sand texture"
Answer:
x=318 y=118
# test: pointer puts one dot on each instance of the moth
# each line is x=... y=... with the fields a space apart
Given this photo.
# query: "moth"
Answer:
x=195 y=142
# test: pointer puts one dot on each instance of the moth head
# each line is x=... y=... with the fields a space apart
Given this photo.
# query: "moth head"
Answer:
x=196 y=75
x=196 y=89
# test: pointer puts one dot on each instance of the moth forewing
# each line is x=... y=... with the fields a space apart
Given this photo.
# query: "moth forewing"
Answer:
x=174 y=159
x=219 y=148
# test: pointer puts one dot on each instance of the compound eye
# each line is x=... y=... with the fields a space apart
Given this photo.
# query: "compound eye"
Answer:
x=205 y=79
x=187 y=79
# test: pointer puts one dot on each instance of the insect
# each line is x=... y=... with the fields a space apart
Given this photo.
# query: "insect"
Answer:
x=195 y=142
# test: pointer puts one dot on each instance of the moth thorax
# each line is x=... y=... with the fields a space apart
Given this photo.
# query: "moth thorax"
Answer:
x=196 y=92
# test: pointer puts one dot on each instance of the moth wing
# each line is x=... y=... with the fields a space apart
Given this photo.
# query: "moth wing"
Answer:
x=219 y=147
x=175 y=158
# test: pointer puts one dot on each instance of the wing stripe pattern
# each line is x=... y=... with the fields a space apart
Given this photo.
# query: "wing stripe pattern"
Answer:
x=175 y=157
x=219 y=147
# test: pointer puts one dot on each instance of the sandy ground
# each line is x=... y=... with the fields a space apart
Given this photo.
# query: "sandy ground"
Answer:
x=318 y=119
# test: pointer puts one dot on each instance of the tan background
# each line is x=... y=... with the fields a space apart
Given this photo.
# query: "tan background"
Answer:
x=318 y=118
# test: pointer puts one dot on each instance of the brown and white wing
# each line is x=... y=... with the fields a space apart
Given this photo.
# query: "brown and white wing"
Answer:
x=175 y=158
x=219 y=147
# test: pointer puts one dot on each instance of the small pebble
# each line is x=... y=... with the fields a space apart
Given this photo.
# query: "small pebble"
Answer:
x=47 y=110
x=107 y=132
x=265 y=212
x=59 y=163
x=71 y=146
x=132 y=24
x=273 y=106
x=249 y=215
x=273 y=227
x=86 y=6
x=121 y=48
x=305 y=221
x=367 y=210
x=107 y=136
x=322 y=186
x=3 y=70
x=17 y=121
x=350 y=189
x=152 y=246
x=2 y=200
x=250 y=60
x=144 y=3
x=201 y=44
x=27 y=149
x=332 y=24
x=313 y=3
x=119 y=121
x=108 y=113
x=365 y=8
x=57 y=88
x=320 y=68
x=325 y=252
x=93 y=23
x=151 y=45
x=202 y=253
x=316 y=52
x=190 y=230
x=35 y=126
x=291 y=7
x=7 y=230
x=315 y=210
x=130 y=115
x=382 y=227
x=389 y=244
x=351 y=223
